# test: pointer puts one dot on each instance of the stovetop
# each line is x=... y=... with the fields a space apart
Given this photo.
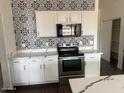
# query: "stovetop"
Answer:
x=69 y=50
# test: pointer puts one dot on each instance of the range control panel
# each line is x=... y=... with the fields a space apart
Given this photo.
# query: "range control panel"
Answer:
x=67 y=44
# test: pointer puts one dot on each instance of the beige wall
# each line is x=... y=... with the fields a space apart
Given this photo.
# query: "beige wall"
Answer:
x=6 y=12
x=7 y=40
x=112 y=9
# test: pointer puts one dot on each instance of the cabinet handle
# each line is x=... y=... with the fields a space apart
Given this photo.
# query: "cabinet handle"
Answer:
x=70 y=19
x=40 y=66
x=34 y=60
x=24 y=67
x=16 y=62
x=67 y=20
x=38 y=33
x=50 y=59
x=44 y=66
x=92 y=57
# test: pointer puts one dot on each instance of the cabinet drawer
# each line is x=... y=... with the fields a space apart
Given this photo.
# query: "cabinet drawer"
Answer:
x=92 y=57
x=20 y=60
x=52 y=58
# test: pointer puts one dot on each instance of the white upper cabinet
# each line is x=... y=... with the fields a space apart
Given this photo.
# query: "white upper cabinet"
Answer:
x=46 y=23
x=89 y=22
x=76 y=17
x=63 y=17
x=66 y=17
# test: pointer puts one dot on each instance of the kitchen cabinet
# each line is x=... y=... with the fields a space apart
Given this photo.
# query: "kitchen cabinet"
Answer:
x=36 y=75
x=67 y=17
x=51 y=68
x=46 y=23
x=20 y=72
x=76 y=17
x=62 y=17
x=89 y=22
x=34 y=70
x=92 y=65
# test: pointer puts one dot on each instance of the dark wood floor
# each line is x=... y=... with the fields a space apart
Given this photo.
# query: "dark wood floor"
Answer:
x=106 y=69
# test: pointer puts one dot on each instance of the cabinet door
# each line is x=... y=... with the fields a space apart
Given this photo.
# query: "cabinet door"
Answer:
x=92 y=69
x=46 y=23
x=51 y=68
x=20 y=72
x=63 y=17
x=89 y=23
x=36 y=73
x=75 y=17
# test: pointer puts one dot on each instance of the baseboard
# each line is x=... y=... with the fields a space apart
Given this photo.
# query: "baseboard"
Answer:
x=2 y=89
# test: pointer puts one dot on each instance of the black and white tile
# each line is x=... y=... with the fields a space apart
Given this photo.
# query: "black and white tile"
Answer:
x=25 y=21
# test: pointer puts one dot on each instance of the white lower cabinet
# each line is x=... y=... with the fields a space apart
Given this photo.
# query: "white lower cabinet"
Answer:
x=92 y=65
x=51 y=68
x=20 y=72
x=35 y=70
x=36 y=73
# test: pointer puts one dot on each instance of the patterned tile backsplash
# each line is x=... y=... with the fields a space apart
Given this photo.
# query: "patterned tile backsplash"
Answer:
x=25 y=21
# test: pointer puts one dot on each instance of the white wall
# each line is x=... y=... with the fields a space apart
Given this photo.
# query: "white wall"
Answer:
x=90 y=21
x=90 y=24
x=1 y=80
x=3 y=59
x=113 y=9
x=6 y=12
x=7 y=40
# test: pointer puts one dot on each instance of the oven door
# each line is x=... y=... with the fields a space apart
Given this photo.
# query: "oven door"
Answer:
x=71 y=66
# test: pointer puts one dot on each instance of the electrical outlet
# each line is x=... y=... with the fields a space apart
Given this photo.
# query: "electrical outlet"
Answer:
x=47 y=44
x=91 y=42
x=80 y=42
x=23 y=45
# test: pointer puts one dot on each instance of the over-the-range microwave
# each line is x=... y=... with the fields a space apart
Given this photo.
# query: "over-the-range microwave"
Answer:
x=68 y=30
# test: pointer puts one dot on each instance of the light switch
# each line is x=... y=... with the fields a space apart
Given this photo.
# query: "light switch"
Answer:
x=23 y=45
x=91 y=42
x=81 y=43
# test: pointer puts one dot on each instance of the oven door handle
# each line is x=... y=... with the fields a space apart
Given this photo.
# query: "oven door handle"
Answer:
x=69 y=58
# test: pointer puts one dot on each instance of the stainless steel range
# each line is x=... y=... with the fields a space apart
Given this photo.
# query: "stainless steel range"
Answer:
x=71 y=62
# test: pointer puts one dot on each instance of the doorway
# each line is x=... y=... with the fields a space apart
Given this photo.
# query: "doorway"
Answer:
x=115 y=38
x=105 y=39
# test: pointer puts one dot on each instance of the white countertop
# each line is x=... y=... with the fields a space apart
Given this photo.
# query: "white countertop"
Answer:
x=113 y=84
x=90 y=51
x=42 y=52
x=32 y=54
